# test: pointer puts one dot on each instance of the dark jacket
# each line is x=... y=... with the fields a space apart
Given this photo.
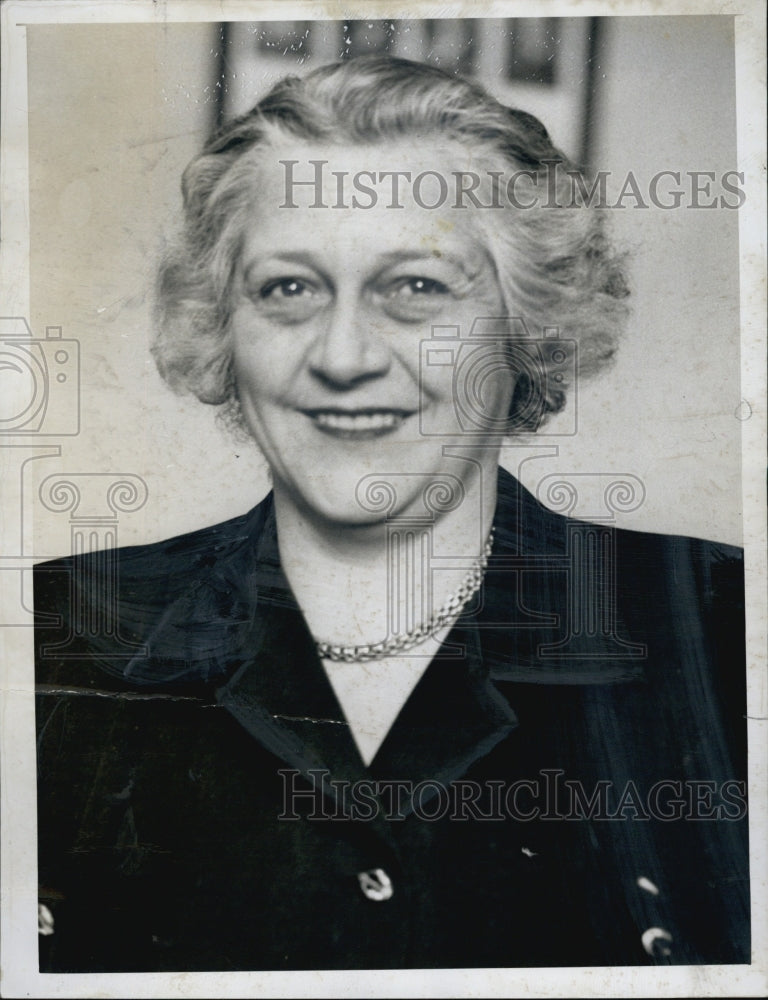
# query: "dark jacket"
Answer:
x=565 y=786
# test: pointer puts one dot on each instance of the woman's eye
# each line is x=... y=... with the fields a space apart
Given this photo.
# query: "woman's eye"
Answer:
x=420 y=286
x=286 y=288
x=415 y=298
x=288 y=299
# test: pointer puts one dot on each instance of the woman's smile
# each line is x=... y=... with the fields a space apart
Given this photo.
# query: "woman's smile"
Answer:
x=360 y=425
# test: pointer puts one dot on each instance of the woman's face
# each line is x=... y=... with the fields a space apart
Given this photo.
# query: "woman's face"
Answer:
x=350 y=331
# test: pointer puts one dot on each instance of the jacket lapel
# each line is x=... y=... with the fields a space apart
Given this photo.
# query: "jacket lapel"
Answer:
x=550 y=613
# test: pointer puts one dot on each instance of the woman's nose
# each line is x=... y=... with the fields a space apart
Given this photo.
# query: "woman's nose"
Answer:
x=350 y=349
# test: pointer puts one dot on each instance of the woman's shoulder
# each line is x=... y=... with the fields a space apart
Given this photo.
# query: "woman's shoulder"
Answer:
x=530 y=527
x=170 y=611
x=603 y=603
x=193 y=547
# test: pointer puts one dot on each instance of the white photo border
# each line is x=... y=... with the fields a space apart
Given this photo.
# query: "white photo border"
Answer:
x=18 y=856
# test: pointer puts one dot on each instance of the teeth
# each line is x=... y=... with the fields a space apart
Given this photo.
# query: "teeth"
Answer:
x=357 y=421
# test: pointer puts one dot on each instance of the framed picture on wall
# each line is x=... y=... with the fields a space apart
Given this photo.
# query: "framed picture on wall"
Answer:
x=547 y=65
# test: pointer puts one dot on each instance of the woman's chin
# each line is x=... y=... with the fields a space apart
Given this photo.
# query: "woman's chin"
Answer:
x=426 y=485
x=352 y=501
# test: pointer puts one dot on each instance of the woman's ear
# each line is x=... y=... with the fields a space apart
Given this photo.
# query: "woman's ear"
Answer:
x=527 y=408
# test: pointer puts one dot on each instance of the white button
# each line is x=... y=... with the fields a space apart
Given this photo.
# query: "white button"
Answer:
x=44 y=920
x=376 y=884
x=645 y=883
x=653 y=941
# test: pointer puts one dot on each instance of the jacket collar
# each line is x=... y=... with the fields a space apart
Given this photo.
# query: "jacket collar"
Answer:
x=551 y=611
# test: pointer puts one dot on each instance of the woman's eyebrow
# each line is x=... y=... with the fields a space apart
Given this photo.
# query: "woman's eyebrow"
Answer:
x=389 y=257
x=302 y=257
x=287 y=257
x=469 y=267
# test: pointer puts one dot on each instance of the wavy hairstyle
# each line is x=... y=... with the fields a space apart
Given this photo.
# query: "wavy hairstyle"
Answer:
x=555 y=265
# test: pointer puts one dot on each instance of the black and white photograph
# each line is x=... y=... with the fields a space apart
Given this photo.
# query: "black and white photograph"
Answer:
x=382 y=428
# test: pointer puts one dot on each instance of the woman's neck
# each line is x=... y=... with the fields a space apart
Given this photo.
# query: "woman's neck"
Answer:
x=361 y=583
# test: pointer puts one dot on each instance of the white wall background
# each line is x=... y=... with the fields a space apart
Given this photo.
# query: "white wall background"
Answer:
x=117 y=111
x=667 y=411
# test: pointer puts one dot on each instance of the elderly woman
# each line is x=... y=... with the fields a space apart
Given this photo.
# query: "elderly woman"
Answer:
x=399 y=714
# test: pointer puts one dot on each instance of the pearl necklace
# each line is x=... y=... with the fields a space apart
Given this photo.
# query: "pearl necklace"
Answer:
x=452 y=608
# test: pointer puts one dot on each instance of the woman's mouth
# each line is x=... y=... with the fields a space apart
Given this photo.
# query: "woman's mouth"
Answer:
x=357 y=424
